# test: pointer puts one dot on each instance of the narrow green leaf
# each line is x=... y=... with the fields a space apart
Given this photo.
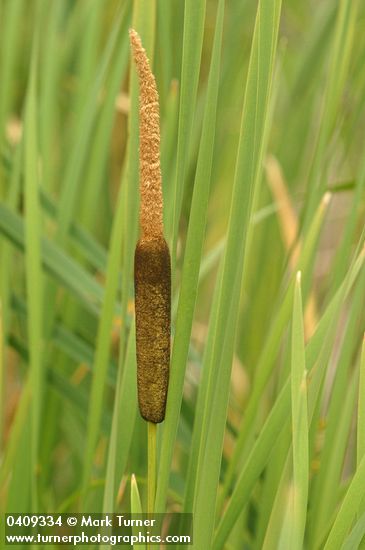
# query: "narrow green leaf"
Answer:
x=341 y=55
x=354 y=539
x=190 y=274
x=49 y=89
x=17 y=428
x=58 y=263
x=11 y=18
x=72 y=178
x=361 y=409
x=136 y=508
x=34 y=276
x=103 y=132
x=335 y=467
x=192 y=46
x=299 y=423
x=125 y=406
x=348 y=509
x=102 y=351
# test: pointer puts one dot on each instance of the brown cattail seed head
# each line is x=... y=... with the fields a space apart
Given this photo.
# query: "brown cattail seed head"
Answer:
x=152 y=270
x=153 y=291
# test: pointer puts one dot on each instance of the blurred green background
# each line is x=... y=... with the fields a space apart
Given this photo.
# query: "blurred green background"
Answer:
x=71 y=434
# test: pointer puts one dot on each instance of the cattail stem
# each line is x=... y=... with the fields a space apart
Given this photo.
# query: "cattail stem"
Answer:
x=151 y=483
x=152 y=270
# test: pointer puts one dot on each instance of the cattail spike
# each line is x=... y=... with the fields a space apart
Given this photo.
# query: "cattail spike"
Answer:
x=152 y=280
x=151 y=206
x=152 y=271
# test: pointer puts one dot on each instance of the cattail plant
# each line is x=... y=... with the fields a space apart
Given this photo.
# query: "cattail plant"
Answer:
x=152 y=270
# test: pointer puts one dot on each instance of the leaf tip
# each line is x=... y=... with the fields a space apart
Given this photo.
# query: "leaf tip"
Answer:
x=326 y=199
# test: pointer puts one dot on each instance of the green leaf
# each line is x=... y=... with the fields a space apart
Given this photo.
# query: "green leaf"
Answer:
x=34 y=276
x=125 y=406
x=299 y=423
x=190 y=274
x=354 y=539
x=192 y=46
x=58 y=263
x=361 y=409
x=336 y=79
x=102 y=351
x=348 y=509
x=136 y=508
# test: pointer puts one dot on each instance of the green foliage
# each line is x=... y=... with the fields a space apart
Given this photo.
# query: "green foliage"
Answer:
x=263 y=177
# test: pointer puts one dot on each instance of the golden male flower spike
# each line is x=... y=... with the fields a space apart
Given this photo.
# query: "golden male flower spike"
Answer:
x=152 y=270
